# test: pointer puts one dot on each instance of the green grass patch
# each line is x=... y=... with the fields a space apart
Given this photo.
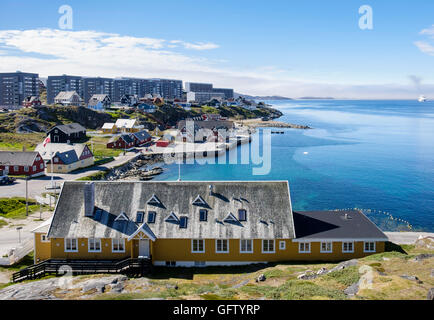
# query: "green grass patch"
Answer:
x=94 y=177
x=347 y=276
x=15 y=208
x=24 y=263
x=380 y=256
x=303 y=290
x=3 y=223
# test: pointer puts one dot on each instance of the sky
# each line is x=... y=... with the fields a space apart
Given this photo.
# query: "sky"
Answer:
x=273 y=47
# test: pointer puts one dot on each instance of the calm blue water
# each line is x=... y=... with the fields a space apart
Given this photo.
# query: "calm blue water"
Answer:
x=376 y=155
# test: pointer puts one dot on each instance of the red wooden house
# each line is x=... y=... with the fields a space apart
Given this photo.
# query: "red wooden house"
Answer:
x=141 y=137
x=31 y=101
x=22 y=163
x=124 y=141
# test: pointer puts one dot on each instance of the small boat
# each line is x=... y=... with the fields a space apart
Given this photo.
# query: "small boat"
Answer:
x=422 y=99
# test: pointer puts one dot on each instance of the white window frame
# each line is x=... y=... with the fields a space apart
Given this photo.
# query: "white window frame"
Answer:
x=192 y=246
x=251 y=246
x=44 y=235
x=95 y=240
x=274 y=246
x=347 y=251
x=282 y=245
x=222 y=251
x=71 y=240
x=304 y=243
x=119 y=241
x=370 y=242
x=326 y=243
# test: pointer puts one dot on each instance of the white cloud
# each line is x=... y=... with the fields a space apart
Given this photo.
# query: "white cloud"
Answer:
x=429 y=31
x=92 y=53
x=425 y=47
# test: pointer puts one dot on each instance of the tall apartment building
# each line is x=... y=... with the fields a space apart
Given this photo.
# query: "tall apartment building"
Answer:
x=229 y=93
x=98 y=85
x=198 y=87
x=56 y=84
x=16 y=86
x=168 y=89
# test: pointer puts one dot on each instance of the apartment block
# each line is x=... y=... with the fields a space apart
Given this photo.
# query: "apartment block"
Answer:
x=16 y=86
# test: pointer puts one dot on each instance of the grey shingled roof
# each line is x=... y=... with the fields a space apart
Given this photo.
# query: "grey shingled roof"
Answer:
x=68 y=153
x=210 y=124
x=142 y=135
x=267 y=203
x=13 y=158
x=126 y=137
x=70 y=128
x=334 y=225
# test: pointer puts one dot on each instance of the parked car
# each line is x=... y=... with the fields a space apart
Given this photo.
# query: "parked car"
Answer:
x=4 y=180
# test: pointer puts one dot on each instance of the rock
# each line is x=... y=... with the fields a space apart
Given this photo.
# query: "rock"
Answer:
x=99 y=286
x=321 y=271
x=352 y=290
x=386 y=259
x=306 y=276
x=430 y=295
x=425 y=243
x=262 y=278
x=411 y=278
x=345 y=264
x=118 y=287
x=423 y=256
x=432 y=272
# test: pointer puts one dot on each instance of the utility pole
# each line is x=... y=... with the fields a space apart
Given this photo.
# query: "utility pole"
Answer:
x=27 y=202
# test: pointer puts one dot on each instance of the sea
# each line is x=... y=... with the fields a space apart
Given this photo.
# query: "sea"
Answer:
x=375 y=156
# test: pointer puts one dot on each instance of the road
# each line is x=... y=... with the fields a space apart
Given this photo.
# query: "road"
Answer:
x=406 y=237
x=36 y=186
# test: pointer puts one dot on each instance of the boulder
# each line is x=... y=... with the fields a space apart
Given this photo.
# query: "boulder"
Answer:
x=262 y=277
x=411 y=278
x=352 y=290
x=345 y=264
x=430 y=295
x=322 y=271
x=423 y=256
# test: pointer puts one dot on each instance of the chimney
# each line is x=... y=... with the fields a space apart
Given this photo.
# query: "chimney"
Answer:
x=89 y=199
x=210 y=189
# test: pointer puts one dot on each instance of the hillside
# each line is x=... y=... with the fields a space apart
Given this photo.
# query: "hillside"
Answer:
x=393 y=275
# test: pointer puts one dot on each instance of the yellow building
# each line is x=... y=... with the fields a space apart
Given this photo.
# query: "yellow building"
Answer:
x=199 y=224
x=65 y=157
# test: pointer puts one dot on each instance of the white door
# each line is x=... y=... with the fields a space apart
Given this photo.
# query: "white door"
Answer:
x=143 y=248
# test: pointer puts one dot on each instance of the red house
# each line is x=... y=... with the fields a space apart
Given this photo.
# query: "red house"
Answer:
x=22 y=163
x=31 y=101
x=141 y=137
x=124 y=141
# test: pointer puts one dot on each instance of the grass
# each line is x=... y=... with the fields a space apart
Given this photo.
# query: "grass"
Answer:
x=3 y=223
x=100 y=149
x=16 y=141
x=303 y=290
x=347 y=276
x=94 y=177
x=15 y=208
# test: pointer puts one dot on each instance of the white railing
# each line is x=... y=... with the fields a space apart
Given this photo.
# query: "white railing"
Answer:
x=20 y=252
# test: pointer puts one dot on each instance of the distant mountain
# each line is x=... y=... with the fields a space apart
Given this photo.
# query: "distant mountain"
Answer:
x=245 y=96
x=316 y=98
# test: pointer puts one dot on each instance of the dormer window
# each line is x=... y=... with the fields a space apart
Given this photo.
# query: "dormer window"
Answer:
x=172 y=218
x=151 y=216
x=139 y=217
x=122 y=217
x=154 y=201
x=199 y=201
x=183 y=222
x=230 y=218
x=242 y=215
x=203 y=215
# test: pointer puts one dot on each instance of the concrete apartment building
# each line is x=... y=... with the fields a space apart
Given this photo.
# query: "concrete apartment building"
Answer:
x=56 y=84
x=229 y=93
x=198 y=87
x=16 y=86
x=97 y=85
x=166 y=88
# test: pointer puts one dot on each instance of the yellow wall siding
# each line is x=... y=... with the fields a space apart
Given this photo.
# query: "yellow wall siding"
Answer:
x=58 y=250
x=42 y=249
x=62 y=168
x=181 y=250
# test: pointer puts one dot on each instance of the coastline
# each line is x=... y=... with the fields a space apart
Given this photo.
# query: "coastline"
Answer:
x=259 y=123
